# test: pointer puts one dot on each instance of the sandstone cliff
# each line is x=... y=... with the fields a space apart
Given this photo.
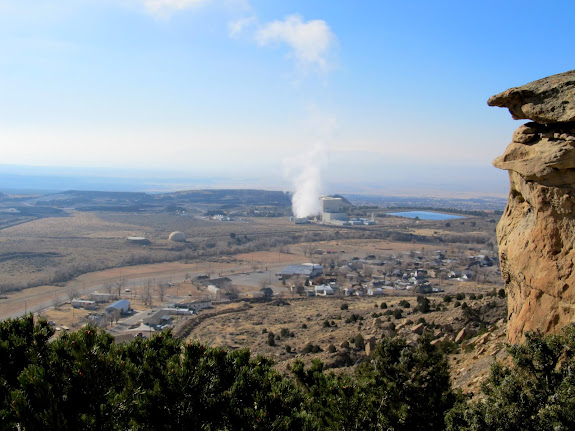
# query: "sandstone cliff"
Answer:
x=537 y=231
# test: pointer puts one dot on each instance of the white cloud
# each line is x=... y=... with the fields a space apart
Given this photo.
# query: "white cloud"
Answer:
x=164 y=8
x=235 y=28
x=310 y=41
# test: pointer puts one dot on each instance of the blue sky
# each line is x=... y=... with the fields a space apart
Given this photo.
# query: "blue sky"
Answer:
x=390 y=94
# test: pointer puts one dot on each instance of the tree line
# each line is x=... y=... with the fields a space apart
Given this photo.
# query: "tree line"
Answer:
x=84 y=381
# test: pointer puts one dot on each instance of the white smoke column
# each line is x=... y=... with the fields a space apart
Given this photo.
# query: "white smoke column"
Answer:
x=305 y=172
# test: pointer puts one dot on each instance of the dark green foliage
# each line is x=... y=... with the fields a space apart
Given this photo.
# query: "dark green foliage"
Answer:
x=460 y=296
x=311 y=348
x=536 y=393
x=414 y=381
x=447 y=299
x=383 y=305
x=398 y=313
x=359 y=342
x=401 y=388
x=337 y=402
x=405 y=304
x=501 y=293
x=423 y=304
x=353 y=318
x=326 y=324
x=343 y=306
x=22 y=344
x=303 y=326
x=472 y=296
x=83 y=381
x=271 y=339
x=447 y=346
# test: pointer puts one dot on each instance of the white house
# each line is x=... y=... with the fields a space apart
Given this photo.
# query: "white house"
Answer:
x=375 y=291
x=213 y=290
x=323 y=290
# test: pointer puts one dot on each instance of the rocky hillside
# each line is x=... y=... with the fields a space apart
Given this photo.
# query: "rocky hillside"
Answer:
x=537 y=230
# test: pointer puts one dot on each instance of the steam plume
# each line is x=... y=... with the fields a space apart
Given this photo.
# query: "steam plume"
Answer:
x=305 y=172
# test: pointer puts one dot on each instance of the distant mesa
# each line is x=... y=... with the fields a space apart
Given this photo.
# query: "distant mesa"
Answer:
x=177 y=236
x=536 y=234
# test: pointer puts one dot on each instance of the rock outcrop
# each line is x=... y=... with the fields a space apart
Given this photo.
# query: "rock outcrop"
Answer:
x=537 y=231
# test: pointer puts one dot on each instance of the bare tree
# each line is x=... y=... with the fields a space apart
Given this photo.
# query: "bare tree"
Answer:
x=367 y=271
x=109 y=287
x=341 y=279
x=162 y=287
x=484 y=274
x=117 y=314
x=114 y=316
x=309 y=250
x=146 y=293
x=231 y=291
x=119 y=285
x=56 y=303
x=263 y=283
x=72 y=293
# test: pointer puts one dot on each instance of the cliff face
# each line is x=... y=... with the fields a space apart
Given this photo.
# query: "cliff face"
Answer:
x=537 y=231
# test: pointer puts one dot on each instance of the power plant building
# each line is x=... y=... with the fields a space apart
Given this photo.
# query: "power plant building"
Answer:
x=332 y=210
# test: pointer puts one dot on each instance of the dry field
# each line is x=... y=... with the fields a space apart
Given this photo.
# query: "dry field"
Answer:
x=50 y=250
x=136 y=275
x=35 y=251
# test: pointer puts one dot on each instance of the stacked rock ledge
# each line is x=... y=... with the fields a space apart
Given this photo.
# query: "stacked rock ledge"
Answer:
x=537 y=230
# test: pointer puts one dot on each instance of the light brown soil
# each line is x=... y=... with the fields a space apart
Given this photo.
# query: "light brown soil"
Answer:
x=249 y=327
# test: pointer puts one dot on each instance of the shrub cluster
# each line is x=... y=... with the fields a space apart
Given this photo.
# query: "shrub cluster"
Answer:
x=84 y=381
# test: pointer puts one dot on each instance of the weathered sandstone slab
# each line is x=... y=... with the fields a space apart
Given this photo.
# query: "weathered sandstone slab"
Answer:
x=536 y=233
x=547 y=100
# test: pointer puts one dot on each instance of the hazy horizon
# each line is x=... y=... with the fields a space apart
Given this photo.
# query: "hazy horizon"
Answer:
x=321 y=96
x=436 y=183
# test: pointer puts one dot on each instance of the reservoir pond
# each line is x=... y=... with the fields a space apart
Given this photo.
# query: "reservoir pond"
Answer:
x=426 y=215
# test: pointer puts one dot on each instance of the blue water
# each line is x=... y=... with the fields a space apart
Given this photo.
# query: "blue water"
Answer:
x=426 y=215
